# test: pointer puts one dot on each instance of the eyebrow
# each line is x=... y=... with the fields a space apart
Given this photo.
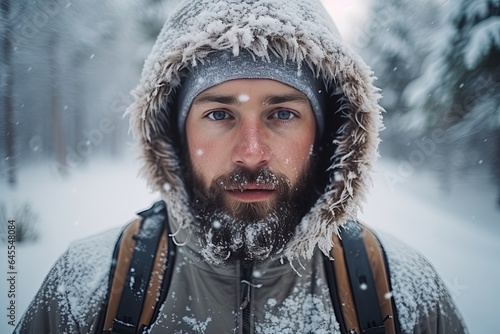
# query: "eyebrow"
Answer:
x=292 y=97
x=224 y=99
x=269 y=100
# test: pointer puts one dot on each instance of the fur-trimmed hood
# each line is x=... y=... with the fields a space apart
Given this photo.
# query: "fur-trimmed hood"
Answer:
x=295 y=30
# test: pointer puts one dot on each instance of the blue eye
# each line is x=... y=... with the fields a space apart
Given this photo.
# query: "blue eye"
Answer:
x=218 y=115
x=284 y=114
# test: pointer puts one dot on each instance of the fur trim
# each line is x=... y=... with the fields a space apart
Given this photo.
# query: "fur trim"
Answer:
x=303 y=33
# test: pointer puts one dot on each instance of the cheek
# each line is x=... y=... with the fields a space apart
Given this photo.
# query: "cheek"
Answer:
x=196 y=141
x=196 y=146
x=301 y=154
x=198 y=164
x=300 y=148
x=293 y=157
x=198 y=155
x=204 y=158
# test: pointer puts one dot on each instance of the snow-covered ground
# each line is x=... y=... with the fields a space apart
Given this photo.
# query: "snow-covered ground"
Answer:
x=458 y=231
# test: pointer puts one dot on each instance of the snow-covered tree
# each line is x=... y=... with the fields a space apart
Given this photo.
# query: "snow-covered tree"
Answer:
x=469 y=64
x=396 y=41
x=465 y=97
x=398 y=37
x=438 y=65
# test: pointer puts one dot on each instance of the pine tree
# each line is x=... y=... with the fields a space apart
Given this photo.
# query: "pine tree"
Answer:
x=465 y=99
x=399 y=38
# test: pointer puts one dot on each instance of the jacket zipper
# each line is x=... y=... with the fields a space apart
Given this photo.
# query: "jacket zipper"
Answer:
x=246 y=292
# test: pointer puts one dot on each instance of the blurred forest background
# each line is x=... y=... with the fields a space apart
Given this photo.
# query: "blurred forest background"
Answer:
x=67 y=68
x=438 y=64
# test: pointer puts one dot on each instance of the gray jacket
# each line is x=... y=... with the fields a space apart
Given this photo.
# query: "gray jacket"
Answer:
x=288 y=294
x=207 y=299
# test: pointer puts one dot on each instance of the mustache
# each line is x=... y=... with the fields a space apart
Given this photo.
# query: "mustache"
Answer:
x=240 y=178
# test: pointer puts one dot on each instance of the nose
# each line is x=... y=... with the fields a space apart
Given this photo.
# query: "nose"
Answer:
x=251 y=150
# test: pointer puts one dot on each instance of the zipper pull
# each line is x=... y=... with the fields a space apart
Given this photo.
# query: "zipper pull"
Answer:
x=244 y=304
x=246 y=301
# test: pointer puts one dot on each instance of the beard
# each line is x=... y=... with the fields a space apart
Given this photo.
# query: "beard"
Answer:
x=231 y=231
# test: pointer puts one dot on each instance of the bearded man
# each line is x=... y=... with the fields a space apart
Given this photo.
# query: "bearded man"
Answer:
x=259 y=127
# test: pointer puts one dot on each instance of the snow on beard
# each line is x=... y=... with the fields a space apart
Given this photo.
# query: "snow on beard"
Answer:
x=231 y=231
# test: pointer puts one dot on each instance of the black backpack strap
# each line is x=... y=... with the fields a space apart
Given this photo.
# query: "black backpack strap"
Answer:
x=359 y=282
x=105 y=303
x=362 y=282
x=142 y=246
x=334 y=293
x=134 y=291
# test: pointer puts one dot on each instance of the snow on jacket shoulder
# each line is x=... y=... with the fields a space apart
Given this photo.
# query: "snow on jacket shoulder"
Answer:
x=423 y=302
x=70 y=297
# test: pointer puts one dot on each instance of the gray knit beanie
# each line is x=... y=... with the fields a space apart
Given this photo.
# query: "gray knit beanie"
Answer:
x=222 y=66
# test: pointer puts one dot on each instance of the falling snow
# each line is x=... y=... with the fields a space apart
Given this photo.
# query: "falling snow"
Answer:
x=242 y=98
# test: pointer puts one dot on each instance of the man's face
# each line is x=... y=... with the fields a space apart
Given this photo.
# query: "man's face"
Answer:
x=250 y=144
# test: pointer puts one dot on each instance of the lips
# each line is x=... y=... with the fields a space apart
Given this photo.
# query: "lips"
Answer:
x=250 y=187
x=251 y=193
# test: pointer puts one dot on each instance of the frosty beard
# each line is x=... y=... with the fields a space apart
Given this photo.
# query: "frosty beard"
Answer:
x=230 y=231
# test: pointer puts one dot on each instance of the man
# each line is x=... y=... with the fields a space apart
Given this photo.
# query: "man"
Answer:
x=259 y=127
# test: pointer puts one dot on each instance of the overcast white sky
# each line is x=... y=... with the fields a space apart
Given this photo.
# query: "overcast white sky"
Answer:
x=349 y=15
